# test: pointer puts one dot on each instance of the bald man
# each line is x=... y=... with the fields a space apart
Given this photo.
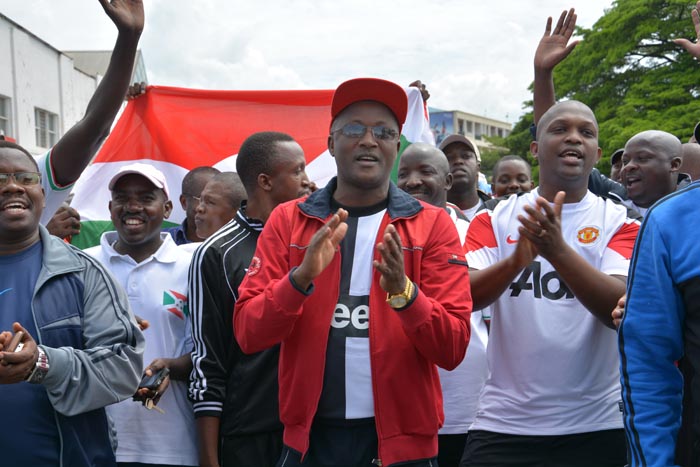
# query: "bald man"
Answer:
x=551 y=263
x=424 y=173
x=650 y=167
x=690 y=160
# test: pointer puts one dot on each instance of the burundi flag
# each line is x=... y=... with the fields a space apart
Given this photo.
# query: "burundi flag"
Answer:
x=177 y=129
x=176 y=303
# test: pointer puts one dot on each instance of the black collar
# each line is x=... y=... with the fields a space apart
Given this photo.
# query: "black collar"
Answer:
x=400 y=203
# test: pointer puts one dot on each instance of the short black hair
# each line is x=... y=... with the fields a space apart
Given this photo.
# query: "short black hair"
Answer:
x=190 y=178
x=512 y=157
x=256 y=156
x=10 y=145
x=235 y=191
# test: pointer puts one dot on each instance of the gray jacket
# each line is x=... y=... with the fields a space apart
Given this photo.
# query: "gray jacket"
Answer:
x=94 y=346
x=107 y=367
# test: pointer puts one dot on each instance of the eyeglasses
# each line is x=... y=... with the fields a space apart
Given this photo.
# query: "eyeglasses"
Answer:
x=357 y=130
x=21 y=178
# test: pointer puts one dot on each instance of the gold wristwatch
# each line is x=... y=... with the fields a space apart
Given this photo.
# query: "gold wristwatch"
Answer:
x=400 y=300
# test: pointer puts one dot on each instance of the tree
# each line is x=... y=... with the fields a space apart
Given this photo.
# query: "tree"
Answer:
x=628 y=70
x=491 y=155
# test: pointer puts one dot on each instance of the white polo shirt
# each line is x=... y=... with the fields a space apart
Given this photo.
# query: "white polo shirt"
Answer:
x=157 y=290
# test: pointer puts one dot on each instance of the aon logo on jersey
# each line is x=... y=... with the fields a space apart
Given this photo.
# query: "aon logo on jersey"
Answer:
x=547 y=285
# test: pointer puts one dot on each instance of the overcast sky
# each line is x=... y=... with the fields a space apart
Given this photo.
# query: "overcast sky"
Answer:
x=475 y=56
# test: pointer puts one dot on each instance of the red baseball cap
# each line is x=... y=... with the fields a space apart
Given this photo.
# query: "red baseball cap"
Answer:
x=371 y=89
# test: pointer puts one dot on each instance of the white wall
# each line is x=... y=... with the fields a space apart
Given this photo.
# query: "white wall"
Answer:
x=5 y=55
x=34 y=74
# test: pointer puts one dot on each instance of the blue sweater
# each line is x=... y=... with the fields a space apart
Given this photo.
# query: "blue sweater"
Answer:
x=661 y=324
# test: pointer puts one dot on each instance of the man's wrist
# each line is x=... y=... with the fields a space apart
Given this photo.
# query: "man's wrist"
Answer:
x=515 y=263
x=560 y=256
x=300 y=279
x=304 y=287
x=41 y=367
x=543 y=70
x=404 y=298
x=402 y=286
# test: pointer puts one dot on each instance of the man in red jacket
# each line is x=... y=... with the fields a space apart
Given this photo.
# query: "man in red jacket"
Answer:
x=367 y=290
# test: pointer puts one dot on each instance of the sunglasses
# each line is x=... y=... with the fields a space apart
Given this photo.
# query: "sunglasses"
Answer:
x=357 y=130
x=21 y=178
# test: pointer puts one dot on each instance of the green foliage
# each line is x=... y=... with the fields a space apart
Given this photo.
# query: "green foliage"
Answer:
x=490 y=156
x=518 y=142
x=628 y=70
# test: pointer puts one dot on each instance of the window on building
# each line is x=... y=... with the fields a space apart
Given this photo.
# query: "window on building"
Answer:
x=5 y=119
x=46 y=126
x=470 y=127
x=460 y=126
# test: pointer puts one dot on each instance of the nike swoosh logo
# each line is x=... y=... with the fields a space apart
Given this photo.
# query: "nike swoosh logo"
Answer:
x=510 y=240
x=6 y=290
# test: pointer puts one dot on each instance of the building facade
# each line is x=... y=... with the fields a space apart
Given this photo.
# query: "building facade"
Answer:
x=476 y=127
x=43 y=91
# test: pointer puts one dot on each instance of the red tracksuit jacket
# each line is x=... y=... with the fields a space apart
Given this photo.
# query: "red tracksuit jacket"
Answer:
x=405 y=345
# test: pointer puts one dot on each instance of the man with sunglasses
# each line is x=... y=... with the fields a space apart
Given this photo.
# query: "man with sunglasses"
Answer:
x=88 y=349
x=366 y=289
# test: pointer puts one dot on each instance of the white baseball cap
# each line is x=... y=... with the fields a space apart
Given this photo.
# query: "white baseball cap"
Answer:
x=153 y=175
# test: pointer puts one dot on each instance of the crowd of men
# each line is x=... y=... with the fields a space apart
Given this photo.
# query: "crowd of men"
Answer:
x=365 y=322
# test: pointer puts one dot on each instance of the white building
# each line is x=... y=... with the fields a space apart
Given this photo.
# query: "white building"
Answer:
x=43 y=91
x=477 y=127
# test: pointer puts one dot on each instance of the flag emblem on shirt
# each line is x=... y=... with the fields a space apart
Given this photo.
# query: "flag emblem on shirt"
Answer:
x=177 y=302
x=588 y=235
x=254 y=266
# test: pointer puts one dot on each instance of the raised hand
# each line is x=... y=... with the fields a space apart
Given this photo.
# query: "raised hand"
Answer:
x=393 y=279
x=421 y=87
x=127 y=15
x=135 y=91
x=693 y=47
x=321 y=249
x=553 y=47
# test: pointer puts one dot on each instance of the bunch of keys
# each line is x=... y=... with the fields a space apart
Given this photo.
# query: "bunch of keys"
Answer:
x=150 y=405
